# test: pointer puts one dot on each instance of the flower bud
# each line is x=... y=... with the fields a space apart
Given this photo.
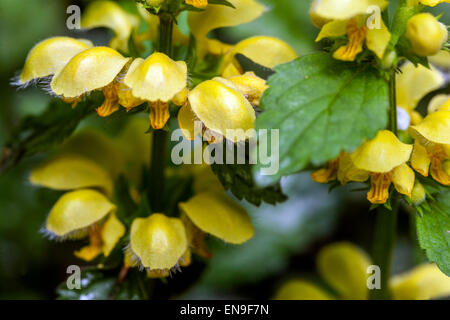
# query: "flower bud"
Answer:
x=418 y=194
x=426 y=34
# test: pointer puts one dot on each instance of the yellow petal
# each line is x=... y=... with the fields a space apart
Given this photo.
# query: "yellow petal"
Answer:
x=76 y=210
x=420 y=160
x=422 y=283
x=433 y=3
x=205 y=179
x=340 y=10
x=332 y=29
x=158 y=241
x=251 y=86
x=49 y=56
x=90 y=70
x=414 y=83
x=266 y=51
x=111 y=233
x=301 y=290
x=198 y=3
x=381 y=154
x=441 y=102
x=348 y=172
x=403 y=178
x=126 y=98
x=110 y=15
x=344 y=267
x=215 y=16
x=222 y=108
x=68 y=171
x=441 y=60
x=186 y=121
x=215 y=213
x=379 y=190
x=435 y=128
x=377 y=39
x=88 y=253
x=157 y=78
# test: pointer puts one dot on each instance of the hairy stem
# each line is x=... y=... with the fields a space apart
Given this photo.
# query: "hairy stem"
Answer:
x=392 y=103
x=160 y=137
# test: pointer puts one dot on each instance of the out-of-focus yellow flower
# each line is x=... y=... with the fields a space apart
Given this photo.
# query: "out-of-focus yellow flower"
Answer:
x=266 y=51
x=432 y=146
x=440 y=102
x=70 y=172
x=158 y=242
x=426 y=34
x=86 y=212
x=422 y=283
x=414 y=83
x=441 y=60
x=336 y=19
x=198 y=3
x=430 y=3
x=384 y=158
x=221 y=107
x=157 y=80
x=344 y=267
x=109 y=14
x=418 y=194
x=216 y=214
x=215 y=16
x=49 y=56
x=93 y=69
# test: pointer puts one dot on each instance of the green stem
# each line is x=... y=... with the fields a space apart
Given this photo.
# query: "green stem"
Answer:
x=160 y=137
x=383 y=244
x=392 y=103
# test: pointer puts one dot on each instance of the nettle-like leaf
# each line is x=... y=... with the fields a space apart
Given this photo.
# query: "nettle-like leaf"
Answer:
x=39 y=133
x=321 y=107
x=433 y=230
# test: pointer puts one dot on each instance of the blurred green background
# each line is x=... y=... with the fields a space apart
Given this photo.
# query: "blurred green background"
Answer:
x=287 y=238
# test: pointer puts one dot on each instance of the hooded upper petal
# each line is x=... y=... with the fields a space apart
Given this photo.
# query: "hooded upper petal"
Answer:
x=77 y=210
x=381 y=154
x=435 y=128
x=215 y=213
x=50 y=55
x=158 y=241
x=221 y=107
x=90 y=70
x=343 y=9
x=157 y=78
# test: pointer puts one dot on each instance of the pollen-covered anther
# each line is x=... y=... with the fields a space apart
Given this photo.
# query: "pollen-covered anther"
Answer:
x=356 y=37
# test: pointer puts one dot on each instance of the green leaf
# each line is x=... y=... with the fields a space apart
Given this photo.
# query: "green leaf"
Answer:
x=433 y=231
x=39 y=133
x=94 y=286
x=249 y=65
x=321 y=107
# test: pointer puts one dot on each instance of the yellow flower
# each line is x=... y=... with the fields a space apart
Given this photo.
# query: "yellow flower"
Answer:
x=426 y=34
x=384 y=158
x=344 y=267
x=198 y=3
x=110 y=15
x=86 y=212
x=414 y=83
x=341 y=168
x=158 y=242
x=432 y=146
x=430 y=3
x=251 y=86
x=266 y=51
x=440 y=102
x=49 y=56
x=441 y=60
x=336 y=19
x=93 y=69
x=157 y=80
x=221 y=107
x=214 y=17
